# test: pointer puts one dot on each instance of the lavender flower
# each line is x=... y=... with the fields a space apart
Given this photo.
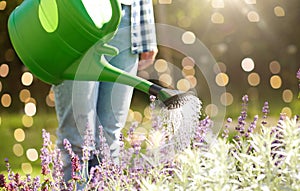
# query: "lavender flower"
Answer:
x=68 y=147
x=103 y=146
x=265 y=111
x=76 y=167
x=57 y=171
x=36 y=183
x=242 y=118
x=252 y=126
x=156 y=120
x=88 y=144
x=226 y=128
x=45 y=155
x=201 y=130
x=134 y=139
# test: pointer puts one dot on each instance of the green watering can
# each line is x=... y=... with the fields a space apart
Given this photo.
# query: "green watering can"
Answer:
x=54 y=37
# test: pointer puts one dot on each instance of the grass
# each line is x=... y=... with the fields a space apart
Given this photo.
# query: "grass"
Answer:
x=33 y=139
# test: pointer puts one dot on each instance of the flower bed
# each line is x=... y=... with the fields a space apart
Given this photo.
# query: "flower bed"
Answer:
x=259 y=157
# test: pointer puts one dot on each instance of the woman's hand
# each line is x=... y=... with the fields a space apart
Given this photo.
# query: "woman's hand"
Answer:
x=146 y=59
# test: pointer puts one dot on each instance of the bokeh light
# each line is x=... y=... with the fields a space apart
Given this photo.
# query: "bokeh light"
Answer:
x=32 y=154
x=30 y=109
x=161 y=65
x=211 y=110
x=184 y=22
x=24 y=95
x=26 y=168
x=147 y=112
x=222 y=79
x=279 y=11
x=166 y=79
x=217 y=4
x=226 y=99
x=27 y=121
x=130 y=116
x=144 y=74
x=188 y=71
x=0 y=86
x=188 y=37
x=217 y=18
x=287 y=96
x=27 y=79
x=192 y=80
x=6 y=100
x=275 y=82
x=50 y=99
x=9 y=55
x=165 y=1
x=183 y=85
x=18 y=150
x=247 y=64
x=137 y=116
x=291 y=49
x=19 y=135
x=253 y=79
x=275 y=67
x=188 y=61
x=4 y=70
x=219 y=67
x=2 y=5
x=287 y=111
x=250 y=2
x=253 y=16
x=219 y=49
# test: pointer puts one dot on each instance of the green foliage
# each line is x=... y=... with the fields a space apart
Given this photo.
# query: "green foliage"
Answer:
x=256 y=163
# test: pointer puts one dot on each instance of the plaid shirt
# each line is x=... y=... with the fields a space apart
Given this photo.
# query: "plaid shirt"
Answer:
x=143 y=35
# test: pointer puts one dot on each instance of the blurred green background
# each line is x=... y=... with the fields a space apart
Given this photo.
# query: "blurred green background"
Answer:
x=256 y=46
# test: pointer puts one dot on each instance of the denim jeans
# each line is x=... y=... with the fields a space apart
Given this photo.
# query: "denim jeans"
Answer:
x=82 y=104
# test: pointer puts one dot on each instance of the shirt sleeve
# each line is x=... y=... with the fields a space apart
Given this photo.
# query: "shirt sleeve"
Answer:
x=143 y=34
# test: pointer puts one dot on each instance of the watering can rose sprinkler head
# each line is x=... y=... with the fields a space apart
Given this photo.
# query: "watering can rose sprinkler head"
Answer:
x=171 y=98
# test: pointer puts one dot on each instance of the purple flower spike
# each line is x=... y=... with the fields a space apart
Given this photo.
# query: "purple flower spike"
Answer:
x=252 y=126
x=202 y=129
x=226 y=128
x=242 y=118
x=45 y=156
x=265 y=111
x=68 y=146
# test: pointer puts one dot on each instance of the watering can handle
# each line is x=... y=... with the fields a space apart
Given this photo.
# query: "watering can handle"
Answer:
x=115 y=18
x=102 y=48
